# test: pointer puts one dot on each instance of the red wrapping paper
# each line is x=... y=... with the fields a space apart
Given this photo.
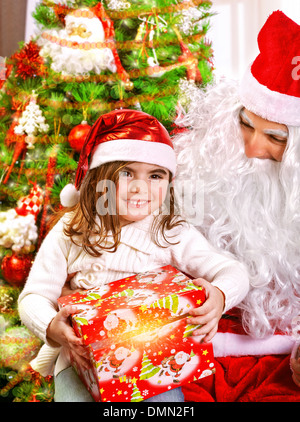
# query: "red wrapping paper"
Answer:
x=136 y=332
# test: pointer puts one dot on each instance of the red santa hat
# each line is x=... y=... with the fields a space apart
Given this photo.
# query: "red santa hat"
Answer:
x=271 y=85
x=122 y=135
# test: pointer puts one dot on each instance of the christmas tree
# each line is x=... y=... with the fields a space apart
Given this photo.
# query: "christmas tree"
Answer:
x=136 y=394
x=148 y=369
x=86 y=59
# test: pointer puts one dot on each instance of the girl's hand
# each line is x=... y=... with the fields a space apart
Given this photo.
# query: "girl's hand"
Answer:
x=295 y=367
x=60 y=333
x=209 y=314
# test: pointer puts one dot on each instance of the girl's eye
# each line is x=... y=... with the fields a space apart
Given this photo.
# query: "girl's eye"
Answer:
x=155 y=177
x=124 y=173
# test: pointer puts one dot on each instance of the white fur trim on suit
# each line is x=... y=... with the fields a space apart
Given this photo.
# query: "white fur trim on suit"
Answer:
x=270 y=105
x=135 y=150
x=229 y=344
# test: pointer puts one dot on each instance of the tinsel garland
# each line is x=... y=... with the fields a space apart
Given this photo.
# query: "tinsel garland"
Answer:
x=124 y=14
x=49 y=184
x=41 y=389
x=120 y=45
x=98 y=105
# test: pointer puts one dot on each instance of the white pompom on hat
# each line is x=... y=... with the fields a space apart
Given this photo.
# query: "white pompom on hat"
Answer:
x=271 y=85
x=69 y=196
x=122 y=135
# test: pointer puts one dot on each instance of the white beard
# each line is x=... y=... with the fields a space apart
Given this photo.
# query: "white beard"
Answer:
x=251 y=206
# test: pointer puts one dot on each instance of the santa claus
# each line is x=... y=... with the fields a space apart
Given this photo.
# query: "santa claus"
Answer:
x=74 y=49
x=243 y=145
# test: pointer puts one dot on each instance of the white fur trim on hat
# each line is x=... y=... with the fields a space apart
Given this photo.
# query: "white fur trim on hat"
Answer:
x=270 y=105
x=69 y=196
x=229 y=344
x=135 y=150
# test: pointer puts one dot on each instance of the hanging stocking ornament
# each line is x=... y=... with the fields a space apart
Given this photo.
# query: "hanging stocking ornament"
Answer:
x=32 y=203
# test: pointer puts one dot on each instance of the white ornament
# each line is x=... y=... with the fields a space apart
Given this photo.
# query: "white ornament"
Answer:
x=31 y=122
x=17 y=231
x=118 y=4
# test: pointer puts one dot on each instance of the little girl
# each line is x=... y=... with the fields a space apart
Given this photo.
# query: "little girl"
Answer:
x=120 y=219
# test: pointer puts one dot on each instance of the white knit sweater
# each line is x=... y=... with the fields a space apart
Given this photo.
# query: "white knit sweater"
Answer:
x=58 y=257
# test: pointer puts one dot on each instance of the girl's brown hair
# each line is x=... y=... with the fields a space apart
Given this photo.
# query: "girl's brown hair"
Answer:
x=89 y=229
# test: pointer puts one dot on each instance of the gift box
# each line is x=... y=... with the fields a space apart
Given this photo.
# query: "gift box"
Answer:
x=139 y=341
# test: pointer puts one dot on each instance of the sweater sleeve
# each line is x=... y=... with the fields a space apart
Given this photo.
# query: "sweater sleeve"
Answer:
x=194 y=256
x=37 y=302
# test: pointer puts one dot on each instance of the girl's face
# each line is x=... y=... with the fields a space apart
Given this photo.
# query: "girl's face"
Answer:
x=141 y=190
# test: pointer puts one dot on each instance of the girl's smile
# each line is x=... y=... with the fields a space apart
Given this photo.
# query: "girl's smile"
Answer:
x=141 y=190
x=137 y=203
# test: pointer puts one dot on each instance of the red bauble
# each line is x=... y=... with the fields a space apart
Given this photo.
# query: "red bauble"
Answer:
x=15 y=268
x=78 y=135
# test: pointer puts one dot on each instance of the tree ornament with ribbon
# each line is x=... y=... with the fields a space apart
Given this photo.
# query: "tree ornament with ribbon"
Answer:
x=13 y=138
x=109 y=32
x=150 y=26
x=78 y=134
x=27 y=122
x=49 y=184
x=189 y=60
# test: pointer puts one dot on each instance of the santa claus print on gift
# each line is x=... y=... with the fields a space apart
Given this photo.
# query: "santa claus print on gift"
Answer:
x=173 y=365
x=114 y=365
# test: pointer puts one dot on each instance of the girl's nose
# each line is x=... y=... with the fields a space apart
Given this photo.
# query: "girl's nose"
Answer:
x=138 y=186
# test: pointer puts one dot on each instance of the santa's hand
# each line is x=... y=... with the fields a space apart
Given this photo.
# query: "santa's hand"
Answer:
x=209 y=314
x=60 y=333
